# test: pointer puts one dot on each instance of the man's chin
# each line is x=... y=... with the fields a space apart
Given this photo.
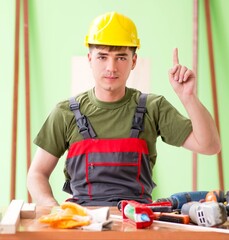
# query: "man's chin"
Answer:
x=108 y=88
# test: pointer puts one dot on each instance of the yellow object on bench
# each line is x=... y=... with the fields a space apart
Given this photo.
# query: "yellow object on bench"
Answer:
x=69 y=215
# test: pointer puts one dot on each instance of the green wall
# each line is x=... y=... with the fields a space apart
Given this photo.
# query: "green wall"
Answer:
x=57 y=29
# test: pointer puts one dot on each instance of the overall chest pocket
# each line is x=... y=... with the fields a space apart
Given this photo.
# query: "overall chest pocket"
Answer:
x=114 y=171
x=113 y=166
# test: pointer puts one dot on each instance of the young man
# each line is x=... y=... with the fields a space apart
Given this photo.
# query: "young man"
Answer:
x=110 y=131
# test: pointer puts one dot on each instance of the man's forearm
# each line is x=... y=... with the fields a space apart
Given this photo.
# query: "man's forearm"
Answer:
x=40 y=190
x=204 y=128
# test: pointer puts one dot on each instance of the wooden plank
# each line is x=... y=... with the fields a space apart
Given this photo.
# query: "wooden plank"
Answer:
x=28 y=211
x=11 y=218
x=195 y=70
x=214 y=87
x=27 y=86
x=15 y=102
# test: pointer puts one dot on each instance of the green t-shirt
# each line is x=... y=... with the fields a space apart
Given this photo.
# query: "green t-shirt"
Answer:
x=114 y=120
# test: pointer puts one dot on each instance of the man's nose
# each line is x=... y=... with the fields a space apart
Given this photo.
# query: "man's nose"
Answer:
x=111 y=65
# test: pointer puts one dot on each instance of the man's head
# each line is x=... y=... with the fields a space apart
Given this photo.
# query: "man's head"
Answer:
x=112 y=29
x=112 y=40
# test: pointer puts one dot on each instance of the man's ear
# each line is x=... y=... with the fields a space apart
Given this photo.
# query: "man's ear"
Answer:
x=89 y=57
x=134 y=61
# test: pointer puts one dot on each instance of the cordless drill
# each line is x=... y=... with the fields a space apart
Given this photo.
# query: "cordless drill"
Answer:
x=178 y=199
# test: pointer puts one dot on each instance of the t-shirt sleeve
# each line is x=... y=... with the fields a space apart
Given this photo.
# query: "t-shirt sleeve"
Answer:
x=52 y=135
x=174 y=128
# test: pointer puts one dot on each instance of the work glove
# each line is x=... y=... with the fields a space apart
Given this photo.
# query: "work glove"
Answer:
x=69 y=215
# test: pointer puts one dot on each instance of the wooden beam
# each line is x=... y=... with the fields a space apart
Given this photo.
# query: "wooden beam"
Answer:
x=11 y=218
x=28 y=211
x=15 y=103
x=27 y=87
x=195 y=68
x=213 y=84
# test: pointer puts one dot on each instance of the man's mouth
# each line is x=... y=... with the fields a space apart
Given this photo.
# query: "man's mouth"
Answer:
x=111 y=77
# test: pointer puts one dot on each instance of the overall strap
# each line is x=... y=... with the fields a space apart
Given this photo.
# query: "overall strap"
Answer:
x=85 y=128
x=137 y=124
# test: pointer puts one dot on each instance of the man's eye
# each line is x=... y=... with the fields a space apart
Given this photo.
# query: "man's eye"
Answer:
x=101 y=57
x=122 y=58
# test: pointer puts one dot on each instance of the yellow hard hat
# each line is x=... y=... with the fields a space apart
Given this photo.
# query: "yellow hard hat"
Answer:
x=113 y=29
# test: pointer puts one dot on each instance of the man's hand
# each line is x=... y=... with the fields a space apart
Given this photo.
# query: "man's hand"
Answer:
x=181 y=78
x=204 y=138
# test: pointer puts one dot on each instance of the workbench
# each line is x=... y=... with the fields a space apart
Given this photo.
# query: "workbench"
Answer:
x=31 y=229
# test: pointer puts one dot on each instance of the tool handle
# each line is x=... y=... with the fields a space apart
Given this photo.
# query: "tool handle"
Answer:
x=172 y=217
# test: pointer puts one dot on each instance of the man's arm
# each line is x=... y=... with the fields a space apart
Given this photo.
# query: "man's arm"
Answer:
x=38 y=178
x=204 y=138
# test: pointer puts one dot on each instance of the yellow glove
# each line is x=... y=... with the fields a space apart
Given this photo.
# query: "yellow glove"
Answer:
x=70 y=215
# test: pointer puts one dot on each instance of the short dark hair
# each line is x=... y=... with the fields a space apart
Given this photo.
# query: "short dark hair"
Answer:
x=112 y=48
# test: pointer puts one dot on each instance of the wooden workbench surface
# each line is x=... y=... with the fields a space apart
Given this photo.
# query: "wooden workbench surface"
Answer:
x=31 y=229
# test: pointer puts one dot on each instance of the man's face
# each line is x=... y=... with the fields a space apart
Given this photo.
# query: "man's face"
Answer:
x=111 y=69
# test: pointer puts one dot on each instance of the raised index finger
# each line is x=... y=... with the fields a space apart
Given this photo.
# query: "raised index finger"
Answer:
x=175 y=57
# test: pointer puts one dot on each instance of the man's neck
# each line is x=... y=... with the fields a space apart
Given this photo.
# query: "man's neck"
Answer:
x=109 y=96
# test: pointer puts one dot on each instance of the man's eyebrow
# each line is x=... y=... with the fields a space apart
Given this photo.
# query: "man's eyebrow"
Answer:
x=121 y=54
x=102 y=54
x=118 y=54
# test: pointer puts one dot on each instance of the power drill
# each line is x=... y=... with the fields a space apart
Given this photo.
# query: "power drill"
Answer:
x=207 y=214
x=178 y=199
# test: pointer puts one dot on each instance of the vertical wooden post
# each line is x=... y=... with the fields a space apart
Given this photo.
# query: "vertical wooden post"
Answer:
x=213 y=83
x=195 y=68
x=27 y=87
x=15 y=95
x=15 y=102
